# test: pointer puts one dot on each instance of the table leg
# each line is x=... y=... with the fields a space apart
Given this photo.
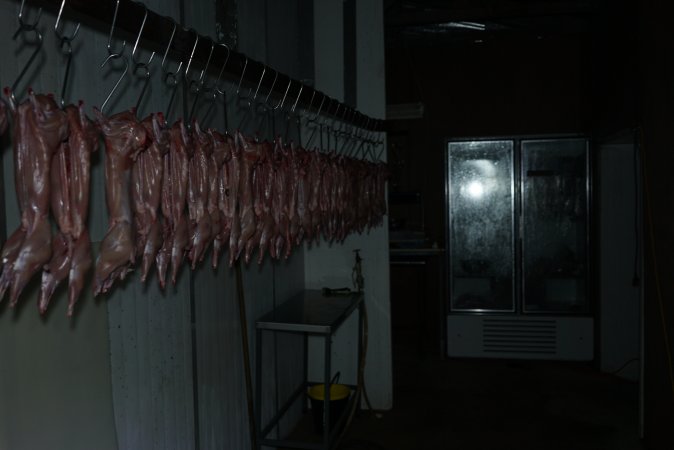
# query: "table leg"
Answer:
x=305 y=368
x=326 y=393
x=258 y=386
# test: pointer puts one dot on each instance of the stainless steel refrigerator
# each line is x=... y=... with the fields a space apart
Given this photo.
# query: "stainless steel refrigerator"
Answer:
x=518 y=216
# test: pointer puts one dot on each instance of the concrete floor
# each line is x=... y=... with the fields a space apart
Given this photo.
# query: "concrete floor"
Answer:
x=495 y=404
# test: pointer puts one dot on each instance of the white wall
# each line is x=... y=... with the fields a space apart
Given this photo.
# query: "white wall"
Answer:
x=330 y=265
x=620 y=308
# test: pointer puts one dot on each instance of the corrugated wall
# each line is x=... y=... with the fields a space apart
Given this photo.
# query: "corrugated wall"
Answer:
x=222 y=407
x=150 y=331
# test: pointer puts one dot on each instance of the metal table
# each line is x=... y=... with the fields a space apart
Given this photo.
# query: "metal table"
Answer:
x=312 y=314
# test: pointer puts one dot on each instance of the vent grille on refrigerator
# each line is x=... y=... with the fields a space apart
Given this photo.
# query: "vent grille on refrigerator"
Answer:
x=531 y=336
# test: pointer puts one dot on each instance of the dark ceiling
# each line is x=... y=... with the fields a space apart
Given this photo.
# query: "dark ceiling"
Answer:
x=436 y=23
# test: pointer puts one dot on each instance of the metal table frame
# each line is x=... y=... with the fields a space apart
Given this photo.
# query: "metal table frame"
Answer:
x=312 y=314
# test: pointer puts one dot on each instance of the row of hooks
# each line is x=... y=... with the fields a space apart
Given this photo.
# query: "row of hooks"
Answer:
x=354 y=137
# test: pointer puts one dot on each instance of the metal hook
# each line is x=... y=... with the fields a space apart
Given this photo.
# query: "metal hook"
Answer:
x=361 y=137
x=381 y=152
x=334 y=119
x=259 y=83
x=299 y=94
x=266 y=99
x=238 y=87
x=264 y=109
x=346 y=136
x=170 y=78
x=114 y=88
x=311 y=103
x=338 y=130
x=186 y=75
x=291 y=112
x=112 y=29
x=314 y=119
x=217 y=82
x=322 y=124
x=198 y=85
x=140 y=66
x=59 y=32
x=305 y=114
x=23 y=25
x=114 y=55
x=320 y=107
x=135 y=45
x=214 y=89
x=355 y=136
x=66 y=42
x=345 y=121
x=26 y=27
x=348 y=128
x=283 y=100
x=208 y=64
x=250 y=101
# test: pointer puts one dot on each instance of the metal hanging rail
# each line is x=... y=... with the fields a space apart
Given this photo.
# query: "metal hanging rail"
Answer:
x=157 y=33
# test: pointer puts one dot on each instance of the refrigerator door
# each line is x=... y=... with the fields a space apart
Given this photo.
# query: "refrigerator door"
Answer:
x=555 y=193
x=480 y=219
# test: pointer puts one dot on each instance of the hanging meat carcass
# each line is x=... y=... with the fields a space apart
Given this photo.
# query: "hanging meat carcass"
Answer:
x=146 y=182
x=250 y=154
x=303 y=195
x=173 y=197
x=218 y=201
x=264 y=188
x=257 y=169
x=333 y=195
x=233 y=205
x=70 y=176
x=295 y=225
x=383 y=175
x=357 y=173
x=279 y=200
x=341 y=204
x=315 y=182
x=198 y=192
x=124 y=138
x=324 y=199
x=39 y=128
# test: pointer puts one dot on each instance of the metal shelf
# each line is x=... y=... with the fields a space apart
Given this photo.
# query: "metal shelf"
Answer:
x=309 y=313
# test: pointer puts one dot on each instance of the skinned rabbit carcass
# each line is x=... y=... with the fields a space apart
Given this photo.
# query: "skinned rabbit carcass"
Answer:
x=39 y=128
x=70 y=179
x=124 y=138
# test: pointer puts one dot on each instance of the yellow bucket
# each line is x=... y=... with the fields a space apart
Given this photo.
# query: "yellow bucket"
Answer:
x=337 y=392
x=339 y=398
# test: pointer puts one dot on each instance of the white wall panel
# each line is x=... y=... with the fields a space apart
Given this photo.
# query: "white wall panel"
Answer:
x=620 y=299
x=330 y=265
x=371 y=100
